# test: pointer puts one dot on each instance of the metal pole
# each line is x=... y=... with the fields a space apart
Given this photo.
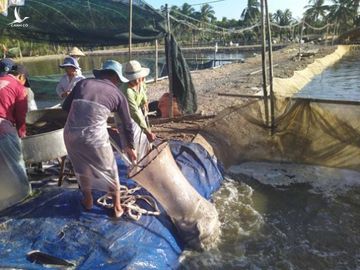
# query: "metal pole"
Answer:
x=263 y=60
x=130 y=28
x=169 y=63
x=272 y=97
x=156 y=60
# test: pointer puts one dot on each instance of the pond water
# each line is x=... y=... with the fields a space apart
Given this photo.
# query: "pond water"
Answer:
x=45 y=74
x=293 y=226
x=340 y=81
x=314 y=224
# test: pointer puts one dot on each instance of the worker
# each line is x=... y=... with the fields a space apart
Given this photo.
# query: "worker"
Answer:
x=76 y=53
x=6 y=66
x=135 y=93
x=13 y=109
x=85 y=132
x=70 y=78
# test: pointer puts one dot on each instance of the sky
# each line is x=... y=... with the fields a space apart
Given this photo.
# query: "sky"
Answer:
x=232 y=9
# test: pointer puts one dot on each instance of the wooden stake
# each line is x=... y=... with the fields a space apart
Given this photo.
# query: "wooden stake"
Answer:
x=130 y=29
x=156 y=60
x=271 y=77
x=263 y=58
x=169 y=63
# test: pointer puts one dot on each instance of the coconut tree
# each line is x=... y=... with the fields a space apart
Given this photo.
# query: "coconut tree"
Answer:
x=316 y=11
x=187 y=9
x=207 y=13
x=251 y=14
x=354 y=5
x=341 y=12
x=282 y=18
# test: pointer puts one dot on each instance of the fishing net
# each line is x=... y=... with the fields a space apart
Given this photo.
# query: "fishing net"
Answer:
x=83 y=22
x=318 y=132
x=96 y=23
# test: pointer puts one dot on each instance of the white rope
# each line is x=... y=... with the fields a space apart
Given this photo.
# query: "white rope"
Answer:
x=318 y=28
x=285 y=26
x=231 y=31
x=190 y=25
x=202 y=22
x=129 y=202
x=228 y=31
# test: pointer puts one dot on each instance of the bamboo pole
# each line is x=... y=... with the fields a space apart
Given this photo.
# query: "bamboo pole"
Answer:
x=328 y=101
x=240 y=95
x=156 y=60
x=130 y=29
x=301 y=36
x=169 y=62
x=327 y=34
x=271 y=77
x=263 y=60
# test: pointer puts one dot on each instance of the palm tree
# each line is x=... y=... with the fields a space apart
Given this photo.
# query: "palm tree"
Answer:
x=187 y=9
x=282 y=18
x=354 y=5
x=316 y=11
x=251 y=14
x=342 y=13
x=207 y=13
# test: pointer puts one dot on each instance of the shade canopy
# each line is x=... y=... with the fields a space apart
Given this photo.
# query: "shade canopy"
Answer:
x=82 y=22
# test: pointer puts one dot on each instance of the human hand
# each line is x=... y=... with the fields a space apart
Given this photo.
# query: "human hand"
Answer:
x=150 y=136
x=132 y=154
x=115 y=130
x=65 y=94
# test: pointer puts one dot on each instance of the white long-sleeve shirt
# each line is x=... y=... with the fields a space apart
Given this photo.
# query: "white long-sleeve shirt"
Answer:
x=66 y=85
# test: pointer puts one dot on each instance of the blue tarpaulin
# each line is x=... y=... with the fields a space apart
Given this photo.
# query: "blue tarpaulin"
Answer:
x=54 y=222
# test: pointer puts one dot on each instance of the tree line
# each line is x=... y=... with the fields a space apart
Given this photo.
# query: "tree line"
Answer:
x=201 y=27
x=341 y=15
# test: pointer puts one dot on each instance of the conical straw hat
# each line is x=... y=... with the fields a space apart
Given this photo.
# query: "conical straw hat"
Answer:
x=75 y=51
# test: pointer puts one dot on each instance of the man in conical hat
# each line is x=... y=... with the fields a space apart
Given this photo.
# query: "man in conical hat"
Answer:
x=75 y=52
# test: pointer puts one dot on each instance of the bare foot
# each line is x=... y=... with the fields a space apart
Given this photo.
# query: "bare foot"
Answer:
x=118 y=212
x=87 y=202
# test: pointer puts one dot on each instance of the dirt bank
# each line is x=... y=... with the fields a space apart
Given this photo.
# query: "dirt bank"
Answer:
x=241 y=78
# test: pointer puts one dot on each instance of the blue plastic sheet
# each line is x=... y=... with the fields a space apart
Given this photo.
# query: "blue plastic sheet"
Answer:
x=54 y=222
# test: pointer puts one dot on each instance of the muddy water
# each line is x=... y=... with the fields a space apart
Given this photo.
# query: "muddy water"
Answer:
x=45 y=74
x=291 y=224
x=340 y=81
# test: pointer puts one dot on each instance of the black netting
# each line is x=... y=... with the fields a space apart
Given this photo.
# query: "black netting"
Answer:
x=182 y=84
x=84 y=22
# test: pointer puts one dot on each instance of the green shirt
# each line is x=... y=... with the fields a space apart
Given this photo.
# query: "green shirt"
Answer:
x=136 y=101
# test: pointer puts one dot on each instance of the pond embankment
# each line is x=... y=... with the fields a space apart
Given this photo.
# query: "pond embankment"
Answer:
x=237 y=78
